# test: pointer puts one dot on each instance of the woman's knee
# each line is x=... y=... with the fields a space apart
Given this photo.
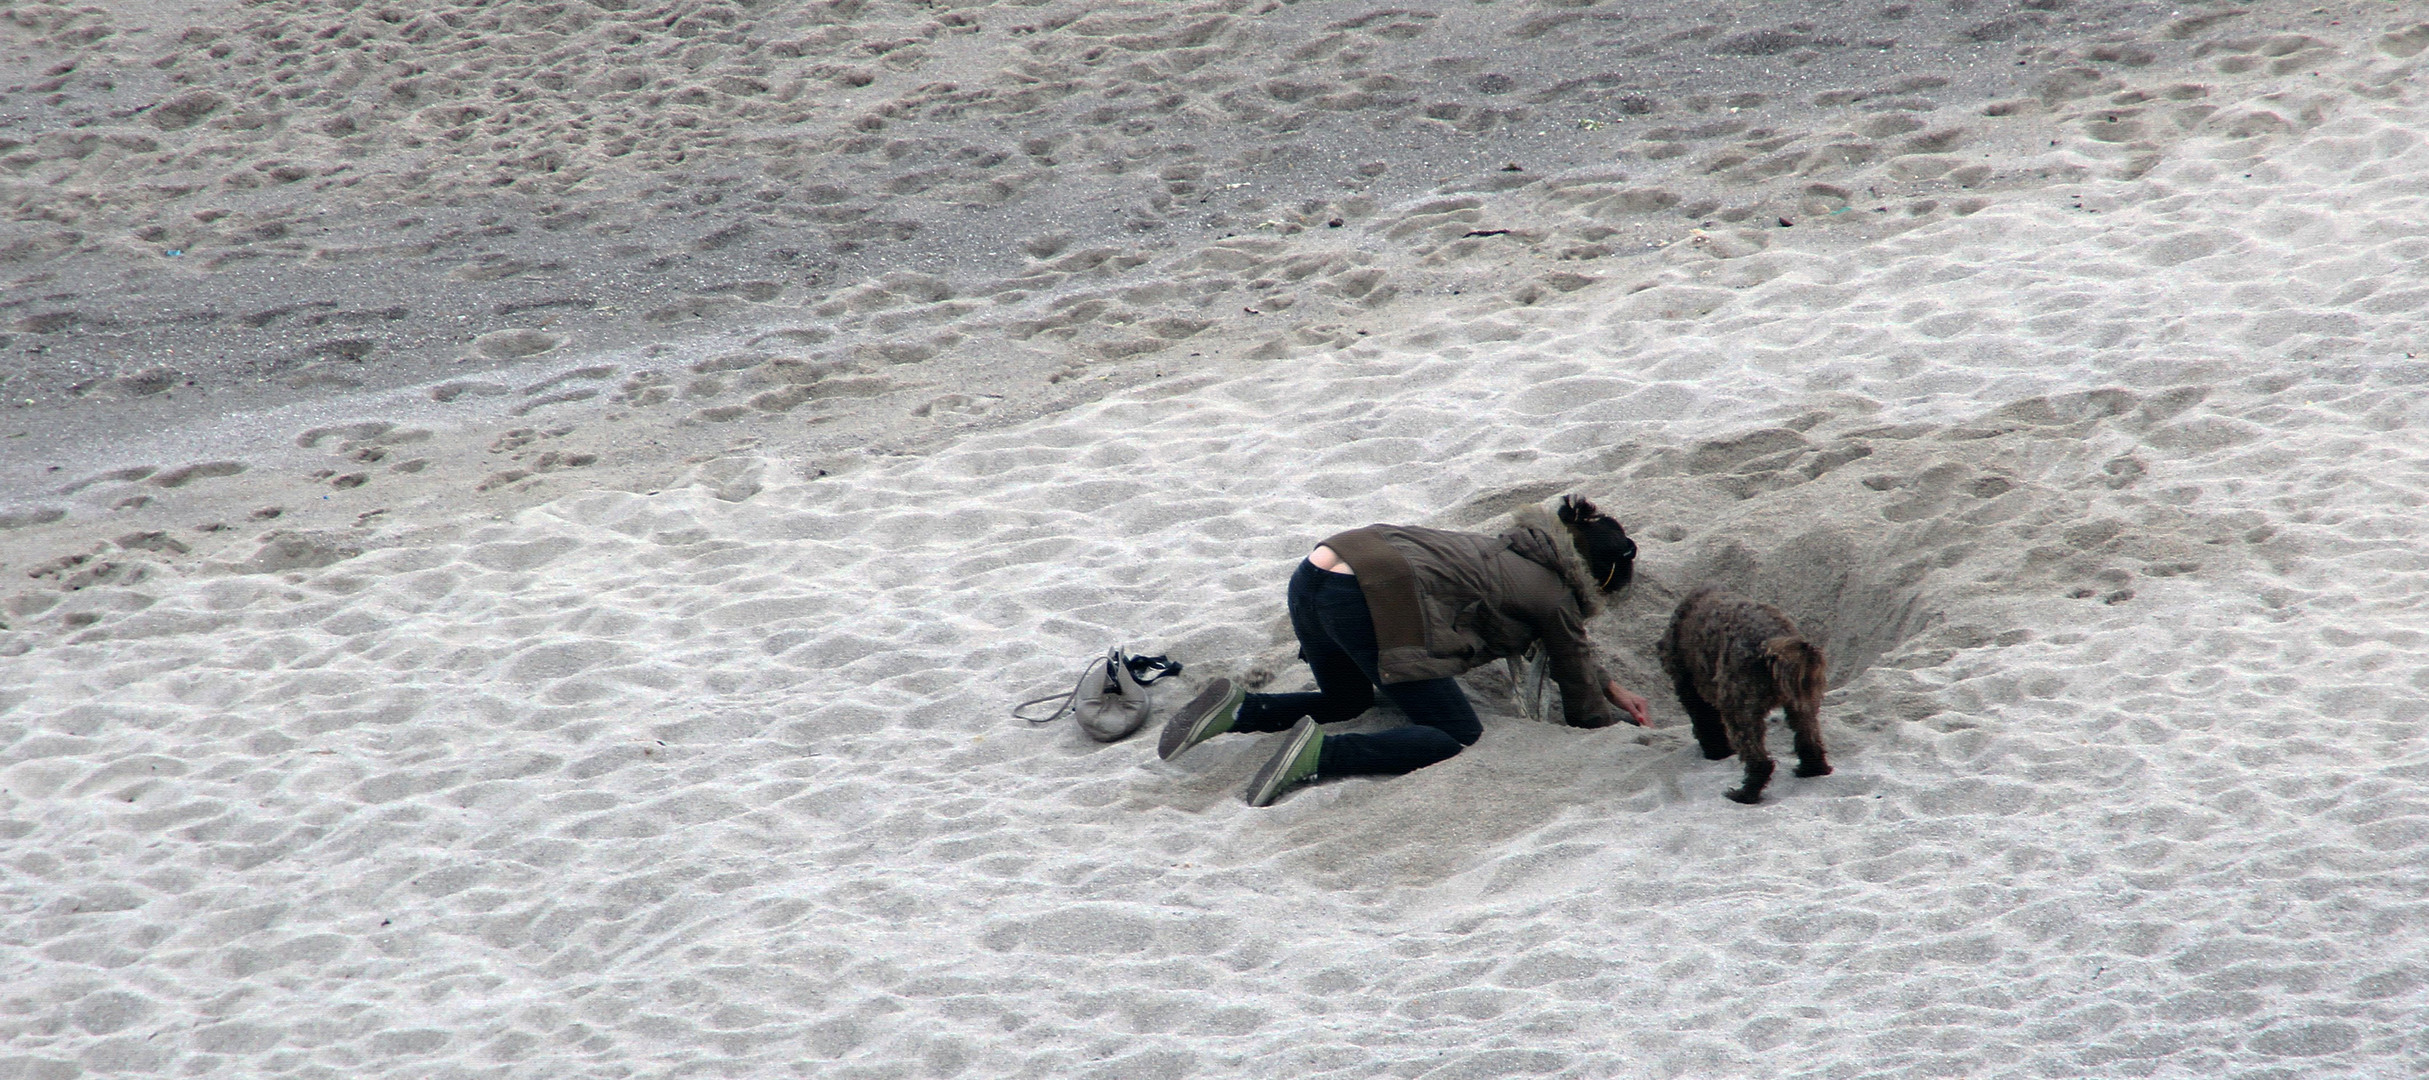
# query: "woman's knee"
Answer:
x=1439 y=704
x=1442 y=746
x=1344 y=700
x=1460 y=731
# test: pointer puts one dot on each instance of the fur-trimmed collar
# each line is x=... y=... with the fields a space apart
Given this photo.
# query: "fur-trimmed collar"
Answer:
x=1561 y=558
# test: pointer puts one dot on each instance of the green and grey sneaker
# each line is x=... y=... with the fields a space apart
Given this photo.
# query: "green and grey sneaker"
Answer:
x=1207 y=715
x=1295 y=763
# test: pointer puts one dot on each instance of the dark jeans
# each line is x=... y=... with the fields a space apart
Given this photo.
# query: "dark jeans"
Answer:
x=1337 y=639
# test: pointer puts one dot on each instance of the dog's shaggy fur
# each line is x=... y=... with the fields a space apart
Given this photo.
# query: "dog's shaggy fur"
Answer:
x=1732 y=660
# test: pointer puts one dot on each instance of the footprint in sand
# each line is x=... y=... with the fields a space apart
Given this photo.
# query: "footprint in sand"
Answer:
x=182 y=475
x=515 y=344
x=447 y=392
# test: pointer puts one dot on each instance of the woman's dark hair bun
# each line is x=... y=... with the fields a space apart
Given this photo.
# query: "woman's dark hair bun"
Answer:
x=1609 y=554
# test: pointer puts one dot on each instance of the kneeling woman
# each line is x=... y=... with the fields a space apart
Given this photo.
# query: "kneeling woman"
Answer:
x=1407 y=609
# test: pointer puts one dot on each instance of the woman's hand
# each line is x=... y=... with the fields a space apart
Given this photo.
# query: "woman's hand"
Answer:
x=1634 y=705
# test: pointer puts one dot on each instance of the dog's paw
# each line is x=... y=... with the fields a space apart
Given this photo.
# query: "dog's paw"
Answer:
x=1711 y=754
x=1822 y=769
x=1744 y=796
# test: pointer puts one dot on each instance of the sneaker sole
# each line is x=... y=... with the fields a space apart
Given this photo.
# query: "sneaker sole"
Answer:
x=1182 y=731
x=1269 y=782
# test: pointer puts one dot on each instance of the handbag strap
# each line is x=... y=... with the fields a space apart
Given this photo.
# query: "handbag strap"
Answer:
x=1069 y=701
x=1144 y=670
x=1148 y=670
x=1097 y=668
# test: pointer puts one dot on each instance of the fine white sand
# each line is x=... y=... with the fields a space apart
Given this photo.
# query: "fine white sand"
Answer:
x=630 y=698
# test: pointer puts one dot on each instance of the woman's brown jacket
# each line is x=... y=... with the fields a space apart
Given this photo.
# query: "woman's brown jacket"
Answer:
x=1444 y=602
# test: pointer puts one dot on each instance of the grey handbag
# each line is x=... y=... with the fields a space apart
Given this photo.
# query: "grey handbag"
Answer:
x=1110 y=701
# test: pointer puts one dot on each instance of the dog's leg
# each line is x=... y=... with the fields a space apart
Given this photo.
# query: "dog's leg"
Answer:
x=1746 y=734
x=1810 y=758
x=1710 y=733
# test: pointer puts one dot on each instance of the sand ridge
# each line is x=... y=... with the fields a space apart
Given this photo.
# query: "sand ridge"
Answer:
x=839 y=363
x=689 y=756
x=238 y=205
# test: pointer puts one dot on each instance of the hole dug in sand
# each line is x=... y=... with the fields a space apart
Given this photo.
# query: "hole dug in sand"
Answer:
x=1844 y=596
x=1899 y=550
x=1899 y=547
x=1860 y=591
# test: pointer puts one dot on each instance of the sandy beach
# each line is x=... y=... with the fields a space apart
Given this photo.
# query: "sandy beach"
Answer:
x=521 y=525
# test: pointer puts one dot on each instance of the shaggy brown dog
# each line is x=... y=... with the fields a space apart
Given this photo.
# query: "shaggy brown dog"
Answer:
x=1733 y=659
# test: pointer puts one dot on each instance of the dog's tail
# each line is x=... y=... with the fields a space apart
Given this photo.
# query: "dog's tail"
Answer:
x=1797 y=670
